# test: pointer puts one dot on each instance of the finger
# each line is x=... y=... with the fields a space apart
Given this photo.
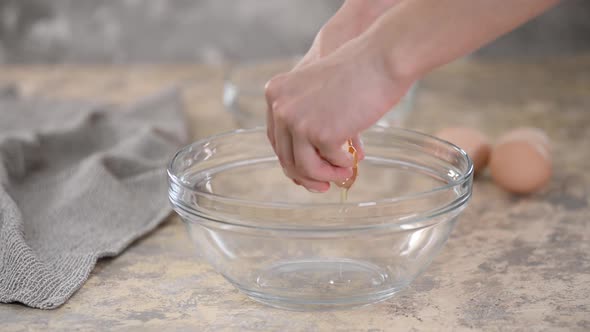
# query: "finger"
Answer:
x=309 y=165
x=337 y=155
x=284 y=148
x=270 y=131
x=359 y=147
x=314 y=186
x=309 y=184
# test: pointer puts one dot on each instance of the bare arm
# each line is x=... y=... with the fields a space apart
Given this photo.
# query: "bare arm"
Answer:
x=417 y=36
x=315 y=108
x=352 y=19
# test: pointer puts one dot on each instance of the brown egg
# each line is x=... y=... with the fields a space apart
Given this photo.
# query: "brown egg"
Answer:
x=476 y=144
x=521 y=161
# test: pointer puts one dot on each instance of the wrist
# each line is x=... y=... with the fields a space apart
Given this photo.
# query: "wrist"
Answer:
x=393 y=54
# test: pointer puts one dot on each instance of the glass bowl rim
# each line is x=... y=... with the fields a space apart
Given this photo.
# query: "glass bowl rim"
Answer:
x=464 y=177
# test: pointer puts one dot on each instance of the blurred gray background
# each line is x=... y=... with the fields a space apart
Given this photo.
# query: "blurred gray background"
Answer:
x=157 y=31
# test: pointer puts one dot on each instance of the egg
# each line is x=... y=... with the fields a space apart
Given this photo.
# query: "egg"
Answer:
x=520 y=161
x=349 y=147
x=475 y=143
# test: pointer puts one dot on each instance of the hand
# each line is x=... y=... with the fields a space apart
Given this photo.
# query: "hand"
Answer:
x=345 y=25
x=315 y=108
x=349 y=22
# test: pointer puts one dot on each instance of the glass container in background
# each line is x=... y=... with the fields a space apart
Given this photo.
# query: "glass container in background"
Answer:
x=243 y=89
x=243 y=93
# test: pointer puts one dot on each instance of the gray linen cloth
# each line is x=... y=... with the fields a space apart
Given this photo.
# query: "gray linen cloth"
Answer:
x=78 y=181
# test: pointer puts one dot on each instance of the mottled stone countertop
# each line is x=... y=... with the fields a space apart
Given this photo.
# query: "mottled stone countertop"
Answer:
x=512 y=264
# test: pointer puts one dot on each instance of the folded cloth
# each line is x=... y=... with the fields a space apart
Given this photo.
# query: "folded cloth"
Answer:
x=78 y=181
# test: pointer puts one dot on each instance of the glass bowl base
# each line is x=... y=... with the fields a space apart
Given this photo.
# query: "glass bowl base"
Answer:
x=324 y=284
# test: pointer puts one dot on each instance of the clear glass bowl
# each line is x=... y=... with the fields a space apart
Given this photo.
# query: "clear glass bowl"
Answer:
x=243 y=94
x=289 y=248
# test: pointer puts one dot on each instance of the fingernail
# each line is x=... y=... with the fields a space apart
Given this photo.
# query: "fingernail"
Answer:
x=317 y=191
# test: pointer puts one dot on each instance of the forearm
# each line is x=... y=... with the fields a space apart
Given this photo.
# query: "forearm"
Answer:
x=352 y=19
x=419 y=35
x=363 y=13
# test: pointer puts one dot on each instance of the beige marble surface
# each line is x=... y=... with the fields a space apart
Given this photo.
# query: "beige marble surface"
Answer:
x=512 y=264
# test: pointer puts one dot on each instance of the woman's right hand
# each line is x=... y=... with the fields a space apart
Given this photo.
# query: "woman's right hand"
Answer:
x=351 y=20
x=316 y=108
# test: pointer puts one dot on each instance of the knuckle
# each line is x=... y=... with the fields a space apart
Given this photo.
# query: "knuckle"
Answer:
x=300 y=128
x=322 y=137
x=273 y=86
x=281 y=111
